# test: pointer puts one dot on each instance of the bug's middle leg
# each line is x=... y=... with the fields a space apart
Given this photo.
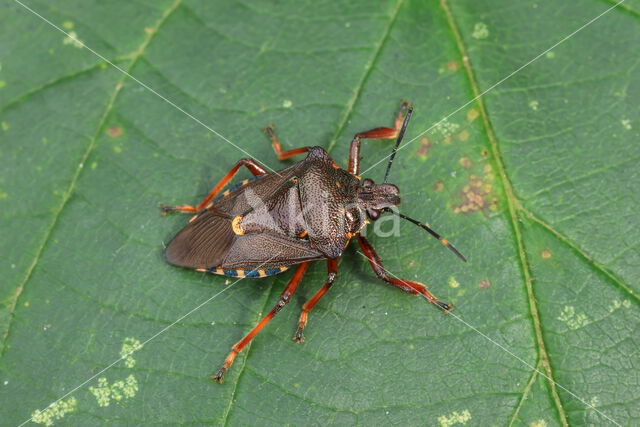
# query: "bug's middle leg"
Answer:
x=285 y=297
x=406 y=285
x=332 y=266
x=282 y=155
x=377 y=133
x=253 y=166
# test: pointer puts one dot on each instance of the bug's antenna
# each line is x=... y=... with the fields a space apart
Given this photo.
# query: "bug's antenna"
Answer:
x=398 y=141
x=430 y=231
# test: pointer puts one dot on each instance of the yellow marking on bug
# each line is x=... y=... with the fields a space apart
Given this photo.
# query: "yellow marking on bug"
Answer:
x=244 y=182
x=201 y=269
x=444 y=242
x=226 y=193
x=334 y=165
x=219 y=271
x=235 y=225
x=262 y=273
x=240 y=273
x=303 y=234
x=193 y=218
x=338 y=184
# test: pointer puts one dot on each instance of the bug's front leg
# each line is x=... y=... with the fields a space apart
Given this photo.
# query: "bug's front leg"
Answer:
x=377 y=133
x=332 y=266
x=253 y=166
x=406 y=285
x=285 y=297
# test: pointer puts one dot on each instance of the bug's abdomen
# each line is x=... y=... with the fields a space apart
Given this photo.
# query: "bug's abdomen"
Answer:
x=254 y=274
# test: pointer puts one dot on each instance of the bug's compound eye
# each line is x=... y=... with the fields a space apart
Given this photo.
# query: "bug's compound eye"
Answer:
x=373 y=214
x=368 y=183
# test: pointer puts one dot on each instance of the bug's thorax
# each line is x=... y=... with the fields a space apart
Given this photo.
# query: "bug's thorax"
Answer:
x=374 y=198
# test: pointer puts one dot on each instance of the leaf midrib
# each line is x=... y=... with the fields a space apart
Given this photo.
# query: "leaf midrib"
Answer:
x=512 y=203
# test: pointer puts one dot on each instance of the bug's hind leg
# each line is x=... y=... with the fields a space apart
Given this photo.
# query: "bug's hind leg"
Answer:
x=253 y=166
x=406 y=285
x=377 y=133
x=285 y=297
x=332 y=265
x=282 y=155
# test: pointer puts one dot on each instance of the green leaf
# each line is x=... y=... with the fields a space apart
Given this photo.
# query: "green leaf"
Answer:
x=535 y=182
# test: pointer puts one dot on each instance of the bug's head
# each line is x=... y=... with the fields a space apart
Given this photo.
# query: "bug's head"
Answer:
x=374 y=198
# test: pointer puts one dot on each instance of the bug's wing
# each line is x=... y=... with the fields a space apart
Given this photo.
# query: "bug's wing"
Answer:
x=209 y=242
x=203 y=243
x=267 y=250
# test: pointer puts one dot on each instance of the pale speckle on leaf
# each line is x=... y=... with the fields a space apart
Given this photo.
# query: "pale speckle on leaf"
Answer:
x=453 y=282
x=454 y=418
x=626 y=124
x=480 y=31
x=73 y=40
x=617 y=304
x=572 y=319
x=54 y=412
x=534 y=105
x=130 y=346
x=121 y=389
x=445 y=127
x=538 y=423
x=287 y=103
x=551 y=54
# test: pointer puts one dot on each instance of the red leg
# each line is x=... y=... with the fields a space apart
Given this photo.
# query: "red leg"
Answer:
x=285 y=297
x=252 y=165
x=332 y=265
x=282 y=155
x=377 y=133
x=406 y=285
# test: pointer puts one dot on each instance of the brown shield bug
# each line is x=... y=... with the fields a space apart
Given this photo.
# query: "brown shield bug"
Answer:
x=306 y=212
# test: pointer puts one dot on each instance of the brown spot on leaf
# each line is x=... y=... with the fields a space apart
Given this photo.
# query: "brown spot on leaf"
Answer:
x=545 y=254
x=438 y=186
x=472 y=114
x=425 y=145
x=452 y=65
x=114 y=131
x=476 y=195
x=465 y=162
x=485 y=153
x=484 y=284
x=464 y=135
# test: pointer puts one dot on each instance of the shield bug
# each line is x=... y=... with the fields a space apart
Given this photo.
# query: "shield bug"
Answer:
x=306 y=212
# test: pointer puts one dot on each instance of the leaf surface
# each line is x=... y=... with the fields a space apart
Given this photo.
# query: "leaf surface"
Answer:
x=535 y=182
